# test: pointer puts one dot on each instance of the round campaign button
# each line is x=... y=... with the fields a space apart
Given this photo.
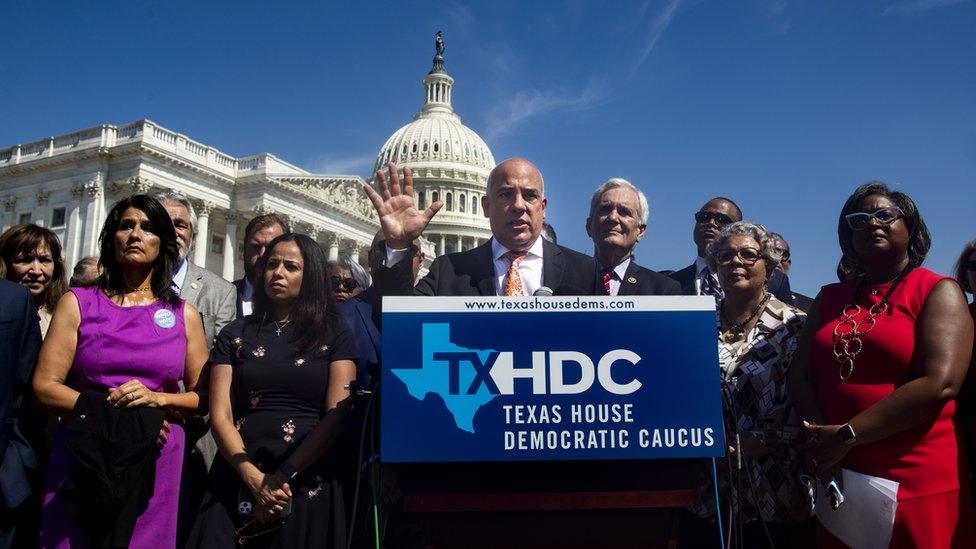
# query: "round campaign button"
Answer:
x=164 y=318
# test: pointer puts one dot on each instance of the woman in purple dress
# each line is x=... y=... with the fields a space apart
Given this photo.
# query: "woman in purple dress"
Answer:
x=131 y=339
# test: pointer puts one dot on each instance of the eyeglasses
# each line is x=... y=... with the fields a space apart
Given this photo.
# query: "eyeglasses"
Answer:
x=784 y=252
x=344 y=284
x=748 y=256
x=720 y=218
x=859 y=221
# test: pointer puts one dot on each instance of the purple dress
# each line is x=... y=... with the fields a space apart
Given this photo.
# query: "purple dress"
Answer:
x=117 y=344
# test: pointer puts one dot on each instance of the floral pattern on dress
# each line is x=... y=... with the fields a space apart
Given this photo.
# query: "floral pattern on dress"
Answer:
x=255 y=399
x=238 y=424
x=317 y=484
x=288 y=428
x=238 y=343
x=259 y=352
x=299 y=361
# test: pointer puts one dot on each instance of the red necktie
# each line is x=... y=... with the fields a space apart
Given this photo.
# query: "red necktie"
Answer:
x=607 y=277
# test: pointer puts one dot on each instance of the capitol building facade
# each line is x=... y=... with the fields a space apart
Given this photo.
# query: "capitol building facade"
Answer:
x=69 y=182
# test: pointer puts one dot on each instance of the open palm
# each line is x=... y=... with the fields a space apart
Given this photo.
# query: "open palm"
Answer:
x=400 y=220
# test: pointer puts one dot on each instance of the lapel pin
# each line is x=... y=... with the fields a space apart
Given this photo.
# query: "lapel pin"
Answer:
x=632 y=280
x=193 y=285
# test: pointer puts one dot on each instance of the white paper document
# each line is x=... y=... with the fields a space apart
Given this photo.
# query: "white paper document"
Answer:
x=867 y=516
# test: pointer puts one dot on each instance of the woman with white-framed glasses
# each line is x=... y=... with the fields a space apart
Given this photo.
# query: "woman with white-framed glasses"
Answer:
x=880 y=363
x=757 y=338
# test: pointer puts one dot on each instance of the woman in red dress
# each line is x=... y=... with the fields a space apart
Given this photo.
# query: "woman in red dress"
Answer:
x=882 y=358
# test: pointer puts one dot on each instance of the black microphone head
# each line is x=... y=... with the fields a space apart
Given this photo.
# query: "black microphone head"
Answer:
x=544 y=291
x=571 y=291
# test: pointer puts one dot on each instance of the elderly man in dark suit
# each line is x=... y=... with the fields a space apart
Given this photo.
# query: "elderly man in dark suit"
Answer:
x=617 y=222
x=516 y=261
x=20 y=340
x=802 y=302
x=697 y=278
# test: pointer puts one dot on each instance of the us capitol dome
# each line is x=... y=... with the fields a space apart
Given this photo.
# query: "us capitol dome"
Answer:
x=449 y=161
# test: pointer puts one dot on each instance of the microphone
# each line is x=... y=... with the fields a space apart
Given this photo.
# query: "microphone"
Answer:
x=543 y=291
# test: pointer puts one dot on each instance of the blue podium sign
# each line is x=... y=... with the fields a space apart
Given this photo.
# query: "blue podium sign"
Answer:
x=549 y=378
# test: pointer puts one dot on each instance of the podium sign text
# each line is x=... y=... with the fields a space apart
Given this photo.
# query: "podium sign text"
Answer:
x=549 y=378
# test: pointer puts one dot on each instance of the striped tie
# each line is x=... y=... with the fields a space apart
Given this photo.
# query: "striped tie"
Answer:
x=513 y=280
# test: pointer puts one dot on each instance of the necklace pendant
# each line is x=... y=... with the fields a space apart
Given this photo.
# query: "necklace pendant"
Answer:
x=278 y=331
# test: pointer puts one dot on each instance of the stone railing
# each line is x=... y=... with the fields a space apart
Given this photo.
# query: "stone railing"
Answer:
x=147 y=132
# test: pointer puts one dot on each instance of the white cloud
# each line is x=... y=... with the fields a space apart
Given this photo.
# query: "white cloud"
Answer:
x=916 y=6
x=656 y=29
x=525 y=105
x=344 y=165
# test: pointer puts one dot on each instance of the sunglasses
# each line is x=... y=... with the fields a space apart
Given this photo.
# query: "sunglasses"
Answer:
x=859 y=221
x=720 y=218
x=343 y=284
x=748 y=256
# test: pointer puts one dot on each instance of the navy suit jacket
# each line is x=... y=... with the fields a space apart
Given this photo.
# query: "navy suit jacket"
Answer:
x=20 y=341
x=239 y=286
x=778 y=284
x=472 y=273
x=358 y=314
x=640 y=281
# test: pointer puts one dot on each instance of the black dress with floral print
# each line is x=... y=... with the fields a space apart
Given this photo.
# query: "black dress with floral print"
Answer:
x=278 y=397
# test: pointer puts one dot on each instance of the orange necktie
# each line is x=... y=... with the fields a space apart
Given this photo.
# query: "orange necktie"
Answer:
x=513 y=280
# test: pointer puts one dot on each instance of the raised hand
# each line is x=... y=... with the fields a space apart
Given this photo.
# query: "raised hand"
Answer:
x=400 y=220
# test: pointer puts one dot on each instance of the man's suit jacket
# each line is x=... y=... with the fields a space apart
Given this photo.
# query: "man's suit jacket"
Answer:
x=778 y=284
x=472 y=273
x=358 y=314
x=213 y=296
x=20 y=341
x=640 y=281
x=239 y=286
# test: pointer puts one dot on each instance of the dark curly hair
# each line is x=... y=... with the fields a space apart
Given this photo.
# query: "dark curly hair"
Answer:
x=314 y=313
x=919 y=240
x=961 y=267
x=162 y=268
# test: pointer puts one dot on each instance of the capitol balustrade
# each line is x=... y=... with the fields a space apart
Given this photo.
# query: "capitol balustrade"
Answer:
x=147 y=132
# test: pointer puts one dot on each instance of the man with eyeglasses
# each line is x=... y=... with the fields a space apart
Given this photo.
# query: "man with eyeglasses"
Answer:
x=697 y=278
x=801 y=301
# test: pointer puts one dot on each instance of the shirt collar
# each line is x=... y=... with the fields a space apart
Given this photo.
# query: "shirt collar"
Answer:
x=498 y=251
x=179 y=277
x=700 y=265
x=620 y=269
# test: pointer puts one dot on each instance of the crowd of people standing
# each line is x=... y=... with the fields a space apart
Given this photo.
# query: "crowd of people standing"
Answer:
x=150 y=403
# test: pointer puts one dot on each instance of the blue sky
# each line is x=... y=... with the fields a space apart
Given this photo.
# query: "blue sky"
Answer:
x=784 y=106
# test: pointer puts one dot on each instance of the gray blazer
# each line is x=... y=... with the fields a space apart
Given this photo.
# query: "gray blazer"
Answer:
x=213 y=296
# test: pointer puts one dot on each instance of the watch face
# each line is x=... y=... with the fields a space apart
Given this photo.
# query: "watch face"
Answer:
x=846 y=433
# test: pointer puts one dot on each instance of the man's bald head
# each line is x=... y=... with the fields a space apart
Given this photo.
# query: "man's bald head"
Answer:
x=515 y=203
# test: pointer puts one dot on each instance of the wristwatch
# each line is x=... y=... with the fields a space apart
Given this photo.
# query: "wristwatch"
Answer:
x=288 y=470
x=847 y=434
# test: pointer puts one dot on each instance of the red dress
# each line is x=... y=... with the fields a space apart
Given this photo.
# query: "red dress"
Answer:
x=924 y=460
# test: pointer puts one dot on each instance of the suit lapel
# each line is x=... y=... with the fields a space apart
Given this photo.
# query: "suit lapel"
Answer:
x=483 y=270
x=632 y=279
x=552 y=265
x=191 y=286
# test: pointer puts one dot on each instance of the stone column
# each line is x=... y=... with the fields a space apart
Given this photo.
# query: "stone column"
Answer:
x=460 y=243
x=74 y=230
x=230 y=245
x=9 y=211
x=93 y=216
x=201 y=242
x=333 y=247
x=354 y=251
x=440 y=245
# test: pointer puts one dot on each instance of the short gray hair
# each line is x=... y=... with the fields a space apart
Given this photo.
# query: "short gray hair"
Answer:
x=643 y=208
x=355 y=269
x=179 y=198
x=765 y=239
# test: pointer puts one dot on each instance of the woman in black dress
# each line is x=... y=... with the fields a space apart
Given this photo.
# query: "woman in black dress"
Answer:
x=279 y=394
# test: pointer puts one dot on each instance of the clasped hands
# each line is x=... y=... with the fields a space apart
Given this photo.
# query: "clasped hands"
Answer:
x=271 y=495
x=133 y=394
x=400 y=220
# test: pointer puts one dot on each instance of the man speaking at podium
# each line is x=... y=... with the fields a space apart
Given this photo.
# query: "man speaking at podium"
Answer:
x=516 y=261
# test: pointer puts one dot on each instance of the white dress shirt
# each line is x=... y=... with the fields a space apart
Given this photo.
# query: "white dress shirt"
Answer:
x=700 y=265
x=179 y=277
x=247 y=306
x=618 y=275
x=530 y=269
